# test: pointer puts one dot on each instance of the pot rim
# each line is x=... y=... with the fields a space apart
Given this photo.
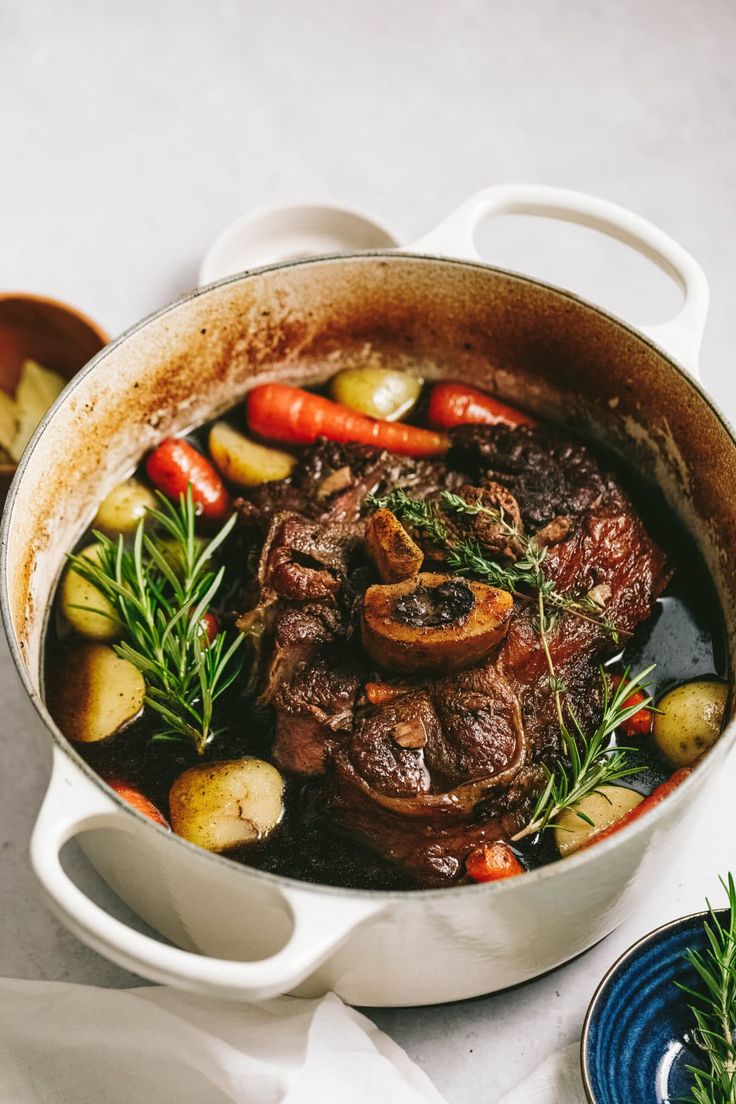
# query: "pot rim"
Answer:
x=541 y=873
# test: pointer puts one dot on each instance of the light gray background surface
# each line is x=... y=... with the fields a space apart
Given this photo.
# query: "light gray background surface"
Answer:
x=131 y=133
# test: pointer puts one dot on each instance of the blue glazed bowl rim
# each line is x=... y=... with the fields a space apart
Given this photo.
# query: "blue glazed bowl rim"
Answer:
x=623 y=959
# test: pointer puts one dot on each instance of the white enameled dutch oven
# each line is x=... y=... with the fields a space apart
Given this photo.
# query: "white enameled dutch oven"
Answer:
x=237 y=932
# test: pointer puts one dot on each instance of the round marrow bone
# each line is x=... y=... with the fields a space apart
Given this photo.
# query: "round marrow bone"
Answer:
x=433 y=622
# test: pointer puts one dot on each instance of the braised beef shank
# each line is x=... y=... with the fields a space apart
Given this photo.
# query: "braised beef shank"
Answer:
x=446 y=762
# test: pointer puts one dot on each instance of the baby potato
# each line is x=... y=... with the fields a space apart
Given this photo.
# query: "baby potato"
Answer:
x=245 y=462
x=604 y=806
x=93 y=693
x=220 y=805
x=690 y=721
x=378 y=392
x=79 y=600
x=122 y=509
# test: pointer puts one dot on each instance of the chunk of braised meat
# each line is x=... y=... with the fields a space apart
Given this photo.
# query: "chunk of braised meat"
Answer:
x=432 y=773
x=303 y=560
x=490 y=532
x=610 y=551
x=330 y=482
x=481 y=732
x=462 y=729
x=425 y=839
x=296 y=636
x=311 y=680
x=377 y=748
x=314 y=706
x=549 y=475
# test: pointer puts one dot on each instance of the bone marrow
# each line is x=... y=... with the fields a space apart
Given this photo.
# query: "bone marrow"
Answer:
x=433 y=622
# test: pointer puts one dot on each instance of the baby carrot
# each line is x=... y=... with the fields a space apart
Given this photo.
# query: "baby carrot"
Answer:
x=454 y=404
x=295 y=417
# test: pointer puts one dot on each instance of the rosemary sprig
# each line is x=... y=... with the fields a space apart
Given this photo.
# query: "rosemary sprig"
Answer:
x=160 y=588
x=591 y=763
x=714 y=1009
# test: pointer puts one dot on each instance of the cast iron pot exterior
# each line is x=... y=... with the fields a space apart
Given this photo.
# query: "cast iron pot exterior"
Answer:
x=237 y=931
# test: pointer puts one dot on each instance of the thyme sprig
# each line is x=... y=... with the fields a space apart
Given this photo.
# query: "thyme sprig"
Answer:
x=714 y=1008
x=466 y=556
x=159 y=589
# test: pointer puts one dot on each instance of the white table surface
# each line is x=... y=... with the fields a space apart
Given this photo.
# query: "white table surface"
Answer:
x=131 y=133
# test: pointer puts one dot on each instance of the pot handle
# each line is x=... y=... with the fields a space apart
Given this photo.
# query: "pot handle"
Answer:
x=680 y=337
x=315 y=934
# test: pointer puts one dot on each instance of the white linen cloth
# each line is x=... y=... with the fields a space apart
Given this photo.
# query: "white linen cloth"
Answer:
x=77 y=1044
x=556 y=1081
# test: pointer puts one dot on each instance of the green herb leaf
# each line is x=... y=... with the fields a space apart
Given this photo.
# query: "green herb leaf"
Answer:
x=714 y=1008
x=160 y=588
x=590 y=762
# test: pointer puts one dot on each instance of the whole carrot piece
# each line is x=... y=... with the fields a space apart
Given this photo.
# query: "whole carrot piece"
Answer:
x=296 y=417
x=454 y=404
x=175 y=463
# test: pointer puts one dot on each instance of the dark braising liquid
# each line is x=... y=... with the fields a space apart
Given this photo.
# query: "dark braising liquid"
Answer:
x=684 y=637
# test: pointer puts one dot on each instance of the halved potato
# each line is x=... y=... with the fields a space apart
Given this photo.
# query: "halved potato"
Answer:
x=604 y=806
x=378 y=392
x=433 y=622
x=690 y=721
x=93 y=693
x=80 y=599
x=221 y=805
x=124 y=506
x=245 y=462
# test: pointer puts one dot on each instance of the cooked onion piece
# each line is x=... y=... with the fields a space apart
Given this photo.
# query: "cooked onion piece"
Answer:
x=604 y=806
x=377 y=392
x=245 y=462
x=690 y=720
x=95 y=694
x=433 y=622
x=392 y=550
x=124 y=506
x=80 y=601
x=221 y=805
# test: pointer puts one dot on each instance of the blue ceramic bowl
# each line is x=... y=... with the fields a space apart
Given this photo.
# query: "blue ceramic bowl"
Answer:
x=637 y=1035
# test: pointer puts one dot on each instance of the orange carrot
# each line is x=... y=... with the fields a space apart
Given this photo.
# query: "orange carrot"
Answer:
x=174 y=464
x=491 y=862
x=639 y=723
x=454 y=404
x=296 y=417
x=655 y=798
x=139 y=801
x=378 y=693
